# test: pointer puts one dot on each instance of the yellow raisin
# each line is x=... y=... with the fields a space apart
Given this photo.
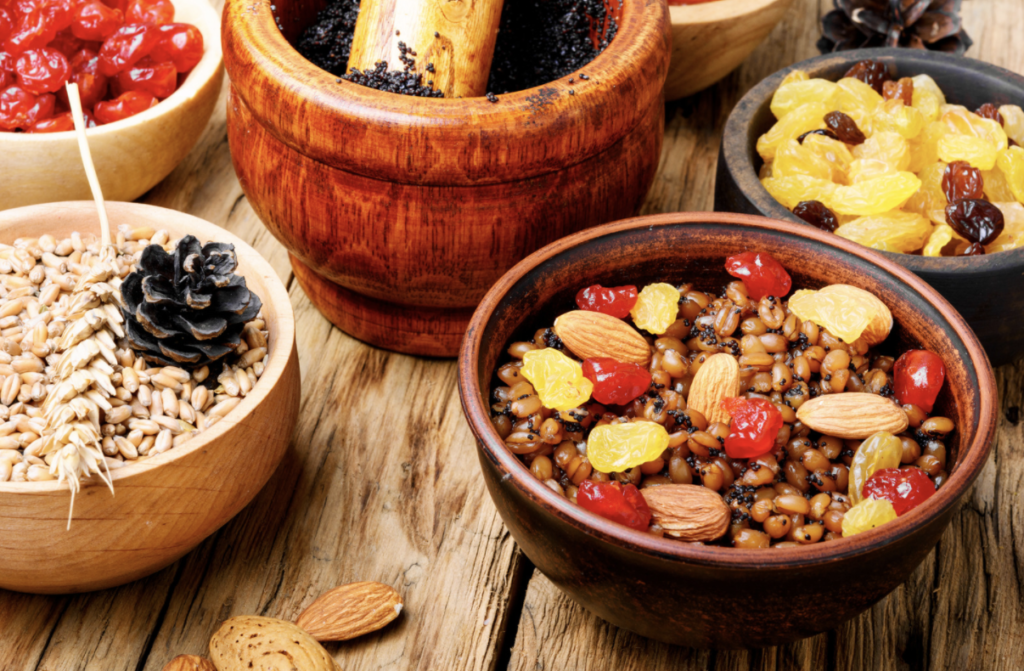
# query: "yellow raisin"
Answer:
x=864 y=169
x=882 y=450
x=930 y=196
x=656 y=308
x=835 y=152
x=867 y=515
x=793 y=158
x=1012 y=236
x=613 y=448
x=1011 y=165
x=927 y=103
x=790 y=96
x=926 y=83
x=886 y=146
x=1013 y=122
x=997 y=188
x=893 y=231
x=844 y=310
x=804 y=118
x=895 y=117
x=791 y=191
x=855 y=95
x=795 y=76
x=980 y=153
x=875 y=196
x=557 y=378
x=940 y=237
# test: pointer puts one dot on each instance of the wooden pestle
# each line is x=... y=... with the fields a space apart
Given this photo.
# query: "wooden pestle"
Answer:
x=453 y=38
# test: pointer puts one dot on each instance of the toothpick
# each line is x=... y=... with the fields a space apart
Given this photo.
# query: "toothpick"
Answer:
x=90 y=169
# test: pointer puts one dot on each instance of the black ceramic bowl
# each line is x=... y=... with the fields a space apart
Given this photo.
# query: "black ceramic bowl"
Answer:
x=987 y=290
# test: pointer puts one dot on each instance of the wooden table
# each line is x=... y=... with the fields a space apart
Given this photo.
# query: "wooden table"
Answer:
x=382 y=483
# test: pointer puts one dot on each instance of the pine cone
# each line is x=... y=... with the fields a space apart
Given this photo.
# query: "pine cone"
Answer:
x=186 y=309
x=917 y=24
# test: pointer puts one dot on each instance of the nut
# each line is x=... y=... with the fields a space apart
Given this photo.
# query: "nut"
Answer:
x=688 y=512
x=852 y=415
x=253 y=643
x=595 y=334
x=350 y=610
x=189 y=663
x=718 y=378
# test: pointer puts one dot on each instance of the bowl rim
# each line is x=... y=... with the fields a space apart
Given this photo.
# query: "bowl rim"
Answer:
x=494 y=450
x=741 y=169
x=281 y=352
x=208 y=68
x=719 y=10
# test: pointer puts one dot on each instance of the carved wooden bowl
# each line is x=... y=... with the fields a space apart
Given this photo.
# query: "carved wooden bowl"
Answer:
x=709 y=596
x=400 y=212
x=131 y=155
x=165 y=505
x=987 y=290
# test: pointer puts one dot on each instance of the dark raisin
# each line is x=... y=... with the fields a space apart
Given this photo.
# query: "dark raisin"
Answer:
x=844 y=127
x=816 y=214
x=973 y=249
x=960 y=181
x=872 y=73
x=990 y=111
x=974 y=219
x=820 y=131
x=900 y=90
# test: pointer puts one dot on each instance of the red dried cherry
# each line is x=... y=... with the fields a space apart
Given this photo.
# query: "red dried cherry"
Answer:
x=762 y=275
x=32 y=31
x=615 y=382
x=917 y=378
x=59 y=13
x=125 y=105
x=119 y=5
x=15 y=104
x=41 y=110
x=92 y=86
x=905 y=488
x=755 y=425
x=42 y=70
x=614 y=301
x=625 y=505
x=157 y=79
x=6 y=24
x=127 y=46
x=150 y=11
x=95 y=21
x=180 y=43
x=58 y=124
x=67 y=43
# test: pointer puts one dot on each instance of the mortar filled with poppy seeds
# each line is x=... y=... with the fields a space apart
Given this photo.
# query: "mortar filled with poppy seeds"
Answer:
x=400 y=211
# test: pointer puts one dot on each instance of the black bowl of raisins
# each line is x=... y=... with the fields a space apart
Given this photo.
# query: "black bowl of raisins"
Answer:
x=987 y=289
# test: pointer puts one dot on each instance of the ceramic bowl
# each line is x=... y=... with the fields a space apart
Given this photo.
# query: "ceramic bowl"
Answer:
x=709 y=596
x=400 y=212
x=165 y=505
x=132 y=155
x=711 y=39
x=987 y=290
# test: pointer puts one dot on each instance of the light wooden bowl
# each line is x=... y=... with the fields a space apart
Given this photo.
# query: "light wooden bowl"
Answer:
x=132 y=155
x=166 y=505
x=710 y=40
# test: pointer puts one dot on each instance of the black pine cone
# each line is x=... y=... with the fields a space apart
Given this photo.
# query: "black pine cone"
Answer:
x=917 y=24
x=187 y=309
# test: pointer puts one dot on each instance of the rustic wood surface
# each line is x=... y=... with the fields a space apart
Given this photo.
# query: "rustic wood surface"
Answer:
x=381 y=483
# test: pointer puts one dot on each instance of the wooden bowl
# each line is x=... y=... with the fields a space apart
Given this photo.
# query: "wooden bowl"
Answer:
x=166 y=505
x=400 y=212
x=987 y=290
x=709 y=596
x=131 y=155
x=710 y=40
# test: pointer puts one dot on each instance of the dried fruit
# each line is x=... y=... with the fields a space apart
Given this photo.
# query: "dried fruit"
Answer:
x=656 y=307
x=754 y=426
x=791 y=191
x=892 y=231
x=351 y=610
x=973 y=249
x=892 y=148
x=823 y=132
x=615 y=382
x=1013 y=122
x=181 y=44
x=612 y=501
x=905 y=488
x=614 y=448
x=902 y=90
x=940 y=237
x=42 y=70
x=1011 y=165
x=844 y=128
x=816 y=214
x=592 y=335
x=961 y=181
x=793 y=158
x=979 y=152
x=990 y=111
x=761 y=274
x=857 y=97
x=805 y=118
x=688 y=512
x=717 y=380
x=1013 y=234
x=853 y=415
x=867 y=515
x=846 y=311
x=893 y=116
x=880 y=450
x=977 y=220
x=793 y=95
x=557 y=378
x=872 y=73
x=127 y=46
x=614 y=301
x=252 y=643
x=125 y=105
x=917 y=378
x=189 y=663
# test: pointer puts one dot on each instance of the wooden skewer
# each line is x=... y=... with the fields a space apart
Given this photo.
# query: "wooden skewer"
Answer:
x=90 y=170
x=453 y=38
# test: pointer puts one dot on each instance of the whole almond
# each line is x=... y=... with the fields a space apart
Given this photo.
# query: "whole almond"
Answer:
x=253 y=643
x=717 y=378
x=688 y=512
x=350 y=610
x=189 y=663
x=594 y=334
x=852 y=415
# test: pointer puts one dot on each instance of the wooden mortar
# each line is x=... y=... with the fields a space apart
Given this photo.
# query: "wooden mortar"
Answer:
x=400 y=212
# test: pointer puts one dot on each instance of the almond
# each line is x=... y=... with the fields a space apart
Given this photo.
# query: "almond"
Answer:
x=189 y=663
x=717 y=378
x=594 y=334
x=852 y=415
x=253 y=643
x=350 y=610
x=688 y=512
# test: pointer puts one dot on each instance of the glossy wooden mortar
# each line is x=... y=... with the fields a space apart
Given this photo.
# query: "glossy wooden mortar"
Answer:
x=710 y=40
x=701 y=595
x=164 y=506
x=987 y=290
x=131 y=155
x=400 y=212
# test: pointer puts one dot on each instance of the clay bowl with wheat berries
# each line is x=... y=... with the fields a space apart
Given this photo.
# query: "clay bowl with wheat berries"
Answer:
x=400 y=212
x=987 y=290
x=131 y=155
x=707 y=595
x=164 y=506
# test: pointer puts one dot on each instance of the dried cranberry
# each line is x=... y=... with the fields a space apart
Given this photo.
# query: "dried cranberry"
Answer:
x=975 y=219
x=150 y=11
x=961 y=181
x=817 y=214
x=872 y=73
x=42 y=70
x=900 y=90
x=844 y=127
x=95 y=21
x=614 y=301
x=990 y=111
x=58 y=124
x=616 y=382
x=125 y=105
x=127 y=46
x=180 y=43
x=820 y=131
x=917 y=378
x=15 y=104
x=755 y=425
x=905 y=488
x=625 y=505
x=762 y=275
x=158 y=79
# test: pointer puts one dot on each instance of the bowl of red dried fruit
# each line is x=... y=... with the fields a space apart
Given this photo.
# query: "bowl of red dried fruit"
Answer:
x=913 y=153
x=698 y=424
x=149 y=73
